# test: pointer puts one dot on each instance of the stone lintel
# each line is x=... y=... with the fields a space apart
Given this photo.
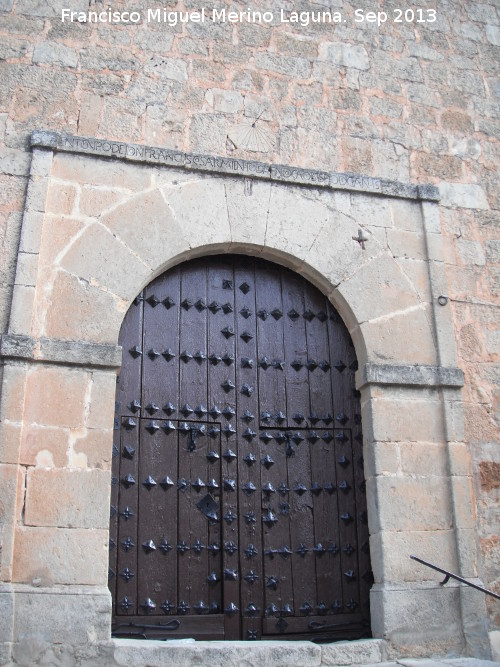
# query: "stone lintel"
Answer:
x=68 y=352
x=57 y=141
x=411 y=376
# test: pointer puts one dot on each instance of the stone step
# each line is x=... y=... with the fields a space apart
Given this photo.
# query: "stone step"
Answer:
x=189 y=653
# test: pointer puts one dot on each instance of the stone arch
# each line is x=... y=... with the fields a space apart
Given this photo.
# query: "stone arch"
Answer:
x=171 y=216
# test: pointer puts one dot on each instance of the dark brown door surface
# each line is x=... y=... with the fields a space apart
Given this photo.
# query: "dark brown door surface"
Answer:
x=238 y=498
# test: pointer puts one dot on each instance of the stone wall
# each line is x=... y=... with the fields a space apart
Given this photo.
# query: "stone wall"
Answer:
x=413 y=102
x=60 y=359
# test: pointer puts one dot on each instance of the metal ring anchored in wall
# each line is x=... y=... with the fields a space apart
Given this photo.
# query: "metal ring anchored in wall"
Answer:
x=442 y=300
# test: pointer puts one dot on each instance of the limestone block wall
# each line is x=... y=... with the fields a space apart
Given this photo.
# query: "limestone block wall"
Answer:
x=418 y=103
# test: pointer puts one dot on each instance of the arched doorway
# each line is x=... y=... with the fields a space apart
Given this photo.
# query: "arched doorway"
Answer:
x=238 y=500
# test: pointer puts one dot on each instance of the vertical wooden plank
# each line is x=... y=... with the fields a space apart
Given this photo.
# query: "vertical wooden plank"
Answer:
x=247 y=419
x=128 y=402
x=193 y=525
x=320 y=417
x=301 y=520
x=348 y=522
x=200 y=540
x=222 y=413
x=113 y=518
x=213 y=563
x=277 y=545
x=318 y=363
x=326 y=522
x=128 y=384
x=364 y=562
x=342 y=376
x=128 y=510
x=343 y=368
x=299 y=465
x=365 y=578
x=157 y=530
x=159 y=401
x=295 y=349
x=166 y=553
x=161 y=347
x=272 y=390
x=128 y=397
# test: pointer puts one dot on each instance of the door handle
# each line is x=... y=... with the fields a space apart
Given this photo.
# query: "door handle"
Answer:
x=194 y=432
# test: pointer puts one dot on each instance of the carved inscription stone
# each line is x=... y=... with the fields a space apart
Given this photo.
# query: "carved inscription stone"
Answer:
x=233 y=166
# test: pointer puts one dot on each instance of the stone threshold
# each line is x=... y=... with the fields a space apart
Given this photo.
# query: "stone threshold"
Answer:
x=190 y=653
x=57 y=141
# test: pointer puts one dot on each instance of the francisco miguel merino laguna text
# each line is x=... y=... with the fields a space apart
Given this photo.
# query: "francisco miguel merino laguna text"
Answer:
x=216 y=16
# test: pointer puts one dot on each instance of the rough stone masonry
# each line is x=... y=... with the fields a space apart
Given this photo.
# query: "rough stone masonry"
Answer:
x=414 y=101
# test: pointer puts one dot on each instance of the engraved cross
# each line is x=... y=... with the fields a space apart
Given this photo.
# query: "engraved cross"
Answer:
x=360 y=239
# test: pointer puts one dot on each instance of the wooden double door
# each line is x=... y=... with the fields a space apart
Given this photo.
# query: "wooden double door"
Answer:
x=238 y=498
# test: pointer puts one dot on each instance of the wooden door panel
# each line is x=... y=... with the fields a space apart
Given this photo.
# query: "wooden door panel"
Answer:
x=238 y=500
